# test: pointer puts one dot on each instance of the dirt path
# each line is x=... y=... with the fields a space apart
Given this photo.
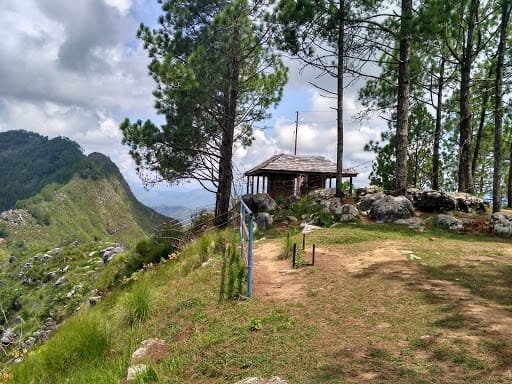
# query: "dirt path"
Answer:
x=275 y=280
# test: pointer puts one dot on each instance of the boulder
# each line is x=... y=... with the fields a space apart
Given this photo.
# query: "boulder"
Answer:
x=264 y=220
x=366 y=202
x=348 y=212
x=150 y=350
x=135 y=371
x=260 y=202
x=369 y=190
x=413 y=223
x=431 y=201
x=110 y=252
x=388 y=209
x=501 y=224
x=465 y=202
x=449 y=222
x=8 y=337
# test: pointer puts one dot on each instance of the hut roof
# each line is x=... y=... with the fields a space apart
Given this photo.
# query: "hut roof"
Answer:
x=298 y=164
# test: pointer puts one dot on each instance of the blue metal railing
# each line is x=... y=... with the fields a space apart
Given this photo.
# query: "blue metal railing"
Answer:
x=246 y=231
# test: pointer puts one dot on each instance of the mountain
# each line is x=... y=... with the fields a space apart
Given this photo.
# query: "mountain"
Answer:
x=61 y=195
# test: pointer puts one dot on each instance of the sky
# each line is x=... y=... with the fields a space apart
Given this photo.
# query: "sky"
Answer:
x=76 y=69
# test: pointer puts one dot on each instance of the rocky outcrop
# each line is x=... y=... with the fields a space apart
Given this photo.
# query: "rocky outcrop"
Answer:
x=109 y=253
x=347 y=213
x=369 y=190
x=501 y=224
x=449 y=222
x=264 y=220
x=366 y=202
x=438 y=201
x=389 y=209
x=260 y=202
x=8 y=337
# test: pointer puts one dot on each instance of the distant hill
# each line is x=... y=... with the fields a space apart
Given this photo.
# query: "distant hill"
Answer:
x=69 y=196
x=29 y=161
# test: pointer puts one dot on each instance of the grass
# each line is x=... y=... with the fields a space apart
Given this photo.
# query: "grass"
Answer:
x=374 y=325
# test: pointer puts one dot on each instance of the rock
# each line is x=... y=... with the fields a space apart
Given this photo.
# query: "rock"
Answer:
x=12 y=259
x=93 y=300
x=29 y=342
x=110 y=252
x=2 y=241
x=413 y=223
x=19 y=320
x=62 y=280
x=369 y=190
x=260 y=202
x=292 y=219
x=349 y=212
x=501 y=224
x=366 y=202
x=465 y=202
x=449 y=222
x=8 y=337
x=150 y=350
x=431 y=201
x=50 y=324
x=46 y=258
x=308 y=228
x=261 y=380
x=135 y=371
x=264 y=220
x=389 y=209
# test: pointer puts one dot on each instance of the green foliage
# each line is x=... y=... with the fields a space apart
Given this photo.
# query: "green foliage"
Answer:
x=301 y=207
x=136 y=305
x=4 y=232
x=233 y=274
x=213 y=74
x=81 y=341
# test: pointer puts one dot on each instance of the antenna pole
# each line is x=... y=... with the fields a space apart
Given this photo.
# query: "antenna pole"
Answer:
x=296 y=132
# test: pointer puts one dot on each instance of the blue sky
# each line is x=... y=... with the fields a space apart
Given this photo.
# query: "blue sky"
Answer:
x=75 y=69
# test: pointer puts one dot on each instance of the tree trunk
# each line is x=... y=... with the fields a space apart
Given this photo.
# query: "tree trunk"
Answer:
x=498 y=109
x=509 y=183
x=465 y=129
x=339 y=110
x=223 y=195
x=481 y=125
x=404 y=73
x=438 y=128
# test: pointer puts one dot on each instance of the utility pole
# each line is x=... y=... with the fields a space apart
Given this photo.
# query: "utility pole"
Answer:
x=296 y=132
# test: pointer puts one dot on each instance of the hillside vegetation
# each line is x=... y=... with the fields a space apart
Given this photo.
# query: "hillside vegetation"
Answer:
x=382 y=305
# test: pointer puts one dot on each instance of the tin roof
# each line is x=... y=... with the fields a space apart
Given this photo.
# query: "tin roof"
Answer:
x=298 y=164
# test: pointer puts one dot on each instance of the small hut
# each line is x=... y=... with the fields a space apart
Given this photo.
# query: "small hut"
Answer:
x=287 y=175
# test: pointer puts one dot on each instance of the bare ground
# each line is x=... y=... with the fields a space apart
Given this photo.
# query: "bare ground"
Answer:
x=475 y=322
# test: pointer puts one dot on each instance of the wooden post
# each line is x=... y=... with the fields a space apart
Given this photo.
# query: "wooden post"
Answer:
x=257 y=184
x=252 y=185
x=350 y=192
x=247 y=185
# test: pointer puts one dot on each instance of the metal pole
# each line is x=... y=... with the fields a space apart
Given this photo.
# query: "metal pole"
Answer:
x=294 y=254
x=249 y=258
x=313 y=255
x=296 y=132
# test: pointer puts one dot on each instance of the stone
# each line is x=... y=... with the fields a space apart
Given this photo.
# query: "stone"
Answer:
x=111 y=252
x=389 y=209
x=260 y=202
x=366 y=201
x=431 y=201
x=150 y=350
x=264 y=220
x=135 y=371
x=12 y=259
x=8 y=337
x=46 y=258
x=449 y=222
x=369 y=190
x=308 y=228
x=61 y=280
x=93 y=300
x=501 y=224
x=50 y=324
x=29 y=342
x=465 y=202
x=412 y=223
x=292 y=219
x=349 y=212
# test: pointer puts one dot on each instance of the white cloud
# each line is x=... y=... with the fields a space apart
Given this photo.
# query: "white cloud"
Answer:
x=123 y=6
